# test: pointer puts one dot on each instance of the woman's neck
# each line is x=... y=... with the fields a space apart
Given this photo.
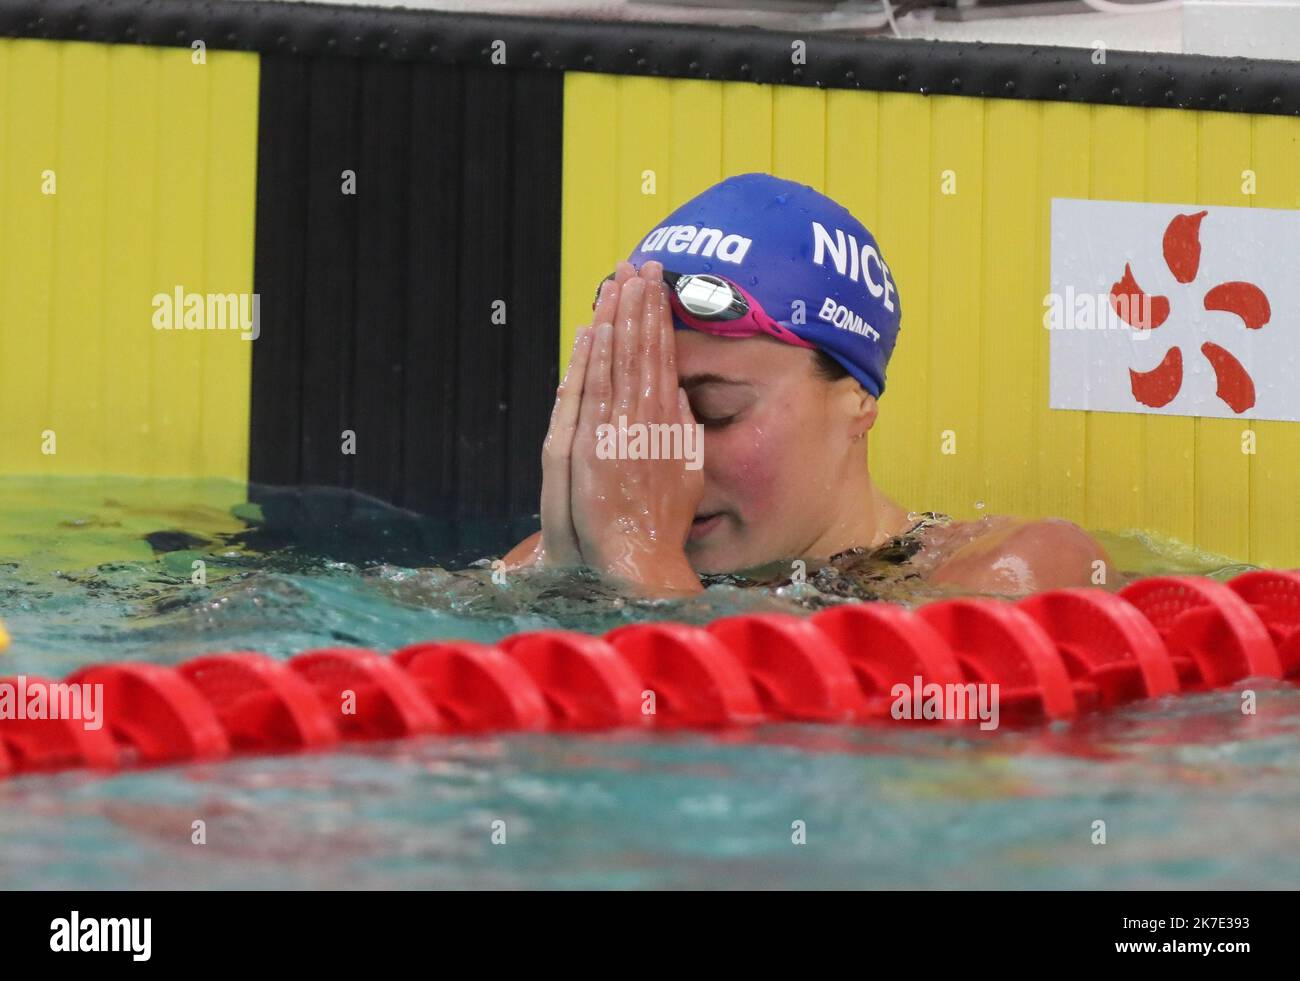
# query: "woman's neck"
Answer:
x=865 y=518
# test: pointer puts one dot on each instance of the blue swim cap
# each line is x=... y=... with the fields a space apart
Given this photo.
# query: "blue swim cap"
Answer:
x=813 y=267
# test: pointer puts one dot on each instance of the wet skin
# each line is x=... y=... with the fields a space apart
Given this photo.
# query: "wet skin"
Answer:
x=784 y=472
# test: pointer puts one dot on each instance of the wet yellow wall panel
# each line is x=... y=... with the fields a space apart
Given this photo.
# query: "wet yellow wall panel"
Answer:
x=1060 y=456
x=1011 y=308
x=904 y=448
x=955 y=186
x=1275 y=466
x=129 y=283
x=799 y=135
x=80 y=238
x=589 y=240
x=645 y=189
x=151 y=161
x=225 y=398
x=746 y=127
x=694 y=162
x=27 y=287
x=181 y=171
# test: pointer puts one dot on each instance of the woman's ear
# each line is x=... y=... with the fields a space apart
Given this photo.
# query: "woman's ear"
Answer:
x=862 y=408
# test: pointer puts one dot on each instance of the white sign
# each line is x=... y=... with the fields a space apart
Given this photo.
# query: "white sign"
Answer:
x=1175 y=309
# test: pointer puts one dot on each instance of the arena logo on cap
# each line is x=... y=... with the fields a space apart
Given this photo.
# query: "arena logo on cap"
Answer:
x=712 y=243
x=1213 y=302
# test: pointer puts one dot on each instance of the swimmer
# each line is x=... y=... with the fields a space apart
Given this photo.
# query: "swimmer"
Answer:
x=765 y=313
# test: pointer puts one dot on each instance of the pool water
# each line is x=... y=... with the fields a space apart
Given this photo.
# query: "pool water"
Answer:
x=1193 y=793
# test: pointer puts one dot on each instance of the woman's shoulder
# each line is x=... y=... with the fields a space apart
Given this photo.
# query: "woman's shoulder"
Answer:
x=1009 y=555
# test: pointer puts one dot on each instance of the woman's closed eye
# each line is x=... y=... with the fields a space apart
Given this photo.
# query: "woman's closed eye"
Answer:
x=716 y=412
x=715 y=422
x=718 y=402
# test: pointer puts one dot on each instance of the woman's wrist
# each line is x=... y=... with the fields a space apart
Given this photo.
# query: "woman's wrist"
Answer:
x=658 y=573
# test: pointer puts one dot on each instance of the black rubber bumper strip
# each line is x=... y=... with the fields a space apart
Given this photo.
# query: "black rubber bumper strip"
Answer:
x=732 y=54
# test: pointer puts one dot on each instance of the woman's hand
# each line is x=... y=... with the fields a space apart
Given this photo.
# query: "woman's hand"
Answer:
x=557 y=543
x=632 y=517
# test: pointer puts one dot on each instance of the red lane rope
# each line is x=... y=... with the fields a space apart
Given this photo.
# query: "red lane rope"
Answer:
x=263 y=704
x=1212 y=635
x=1112 y=652
x=1053 y=656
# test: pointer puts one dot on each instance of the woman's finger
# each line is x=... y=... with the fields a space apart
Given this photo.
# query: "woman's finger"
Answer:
x=667 y=363
x=650 y=398
x=627 y=327
x=606 y=308
x=607 y=302
x=568 y=397
x=684 y=413
x=558 y=533
x=597 y=389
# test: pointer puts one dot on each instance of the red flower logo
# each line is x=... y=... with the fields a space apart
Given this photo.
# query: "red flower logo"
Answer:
x=1182 y=250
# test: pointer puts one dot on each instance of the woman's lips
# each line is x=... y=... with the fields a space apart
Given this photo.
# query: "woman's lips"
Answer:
x=703 y=525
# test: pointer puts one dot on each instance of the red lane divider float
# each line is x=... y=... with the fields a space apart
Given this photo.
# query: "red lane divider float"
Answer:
x=370 y=696
x=156 y=715
x=887 y=646
x=29 y=744
x=796 y=672
x=585 y=683
x=1212 y=635
x=996 y=643
x=696 y=679
x=1275 y=599
x=476 y=687
x=1112 y=652
x=263 y=704
x=1053 y=656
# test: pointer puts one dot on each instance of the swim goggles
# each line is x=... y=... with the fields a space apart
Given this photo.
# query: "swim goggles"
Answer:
x=714 y=305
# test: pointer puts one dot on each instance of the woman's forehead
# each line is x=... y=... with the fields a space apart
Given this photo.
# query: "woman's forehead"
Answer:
x=744 y=359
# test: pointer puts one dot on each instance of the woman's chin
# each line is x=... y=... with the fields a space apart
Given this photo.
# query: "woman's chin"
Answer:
x=714 y=555
x=706 y=560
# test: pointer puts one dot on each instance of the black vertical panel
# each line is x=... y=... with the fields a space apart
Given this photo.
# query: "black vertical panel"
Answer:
x=378 y=306
x=433 y=277
x=279 y=271
x=380 y=323
x=531 y=355
x=329 y=242
x=486 y=273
